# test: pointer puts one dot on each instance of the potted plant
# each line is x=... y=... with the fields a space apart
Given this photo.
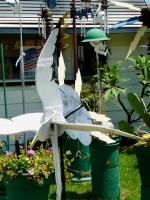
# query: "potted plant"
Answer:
x=142 y=151
x=80 y=159
x=104 y=157
x=141 y=148
x=29 y=176
x=3 y=194
x=105 y=169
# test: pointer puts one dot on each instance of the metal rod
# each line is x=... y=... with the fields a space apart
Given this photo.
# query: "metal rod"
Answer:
x=60 y=139
x=75 y=43
x=4 y=87
x=22 y=75
x=99 y=84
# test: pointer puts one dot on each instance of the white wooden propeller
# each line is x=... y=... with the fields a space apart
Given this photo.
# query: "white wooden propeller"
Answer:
x=142 y=29
x=51 y=123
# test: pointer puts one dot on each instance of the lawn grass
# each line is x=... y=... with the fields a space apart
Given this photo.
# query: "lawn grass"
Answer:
x=129 y=180
x=129 y=177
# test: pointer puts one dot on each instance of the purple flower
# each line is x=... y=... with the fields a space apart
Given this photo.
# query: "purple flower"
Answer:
x=20 y=147
x=31 y=152
x=50 y=149
x=31 y=171
x=7 y=153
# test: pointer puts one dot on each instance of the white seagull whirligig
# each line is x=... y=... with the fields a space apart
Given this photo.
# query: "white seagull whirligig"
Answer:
x=51 y=123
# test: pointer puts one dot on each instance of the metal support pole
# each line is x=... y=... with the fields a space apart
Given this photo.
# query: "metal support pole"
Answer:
x=60 y=139
x=99 y=84
x=22 y=75
x=4 y=87
x=75 y=43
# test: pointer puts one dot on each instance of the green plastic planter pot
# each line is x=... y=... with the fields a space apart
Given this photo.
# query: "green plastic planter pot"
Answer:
x=81 y=166
x=143 y=159
x=3 y=193
x=105 y=170
x=20 y=188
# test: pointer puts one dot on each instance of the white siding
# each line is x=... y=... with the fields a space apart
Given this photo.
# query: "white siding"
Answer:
x=15 y=107
x=30 y=9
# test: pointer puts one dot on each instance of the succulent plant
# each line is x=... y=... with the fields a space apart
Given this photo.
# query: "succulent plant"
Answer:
x=143 y=105
x=125 y=126
x=139 y=107
x=137 y=104
x=146 y=118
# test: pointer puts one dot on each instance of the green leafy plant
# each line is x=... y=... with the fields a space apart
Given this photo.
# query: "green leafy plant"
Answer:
x=112 y=91
x=1 y=144
x=89 y=95
x=111 y=79
x=37 y=163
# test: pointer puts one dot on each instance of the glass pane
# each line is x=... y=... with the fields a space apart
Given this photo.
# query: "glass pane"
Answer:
x=85 y=56
x=11 y=47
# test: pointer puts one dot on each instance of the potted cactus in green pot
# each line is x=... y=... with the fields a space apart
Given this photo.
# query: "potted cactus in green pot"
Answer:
x=141 y=148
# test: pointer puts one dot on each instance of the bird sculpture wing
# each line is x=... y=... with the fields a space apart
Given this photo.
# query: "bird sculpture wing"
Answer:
x=62 y=125
x=47 y=88
x=22 y=123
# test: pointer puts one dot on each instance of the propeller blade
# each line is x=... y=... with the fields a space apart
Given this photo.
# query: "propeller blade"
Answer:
x=99 y=117
x=78 y=82
x=126 y=5
x=61 y=70
x=92 y=127
x=125 y=22
x=148 y=3
x=102 y=137
x=136 y=40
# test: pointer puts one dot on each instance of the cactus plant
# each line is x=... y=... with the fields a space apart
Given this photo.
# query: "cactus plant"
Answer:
x=137 y=105
x=125 y=126
x=146 y=118
x=143 y=105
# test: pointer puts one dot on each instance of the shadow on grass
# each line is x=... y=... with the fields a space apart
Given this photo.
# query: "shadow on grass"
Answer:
x=73 y=195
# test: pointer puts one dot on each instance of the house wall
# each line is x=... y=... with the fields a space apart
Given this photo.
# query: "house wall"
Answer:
x=15 y=107
x=68 y=56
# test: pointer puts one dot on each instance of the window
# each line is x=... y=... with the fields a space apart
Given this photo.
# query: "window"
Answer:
x=86 y=56
x=11 y=46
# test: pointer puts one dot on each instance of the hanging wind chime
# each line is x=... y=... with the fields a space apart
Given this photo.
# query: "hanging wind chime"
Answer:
x=99 y=15
x=45 y=23
x=82 y=13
